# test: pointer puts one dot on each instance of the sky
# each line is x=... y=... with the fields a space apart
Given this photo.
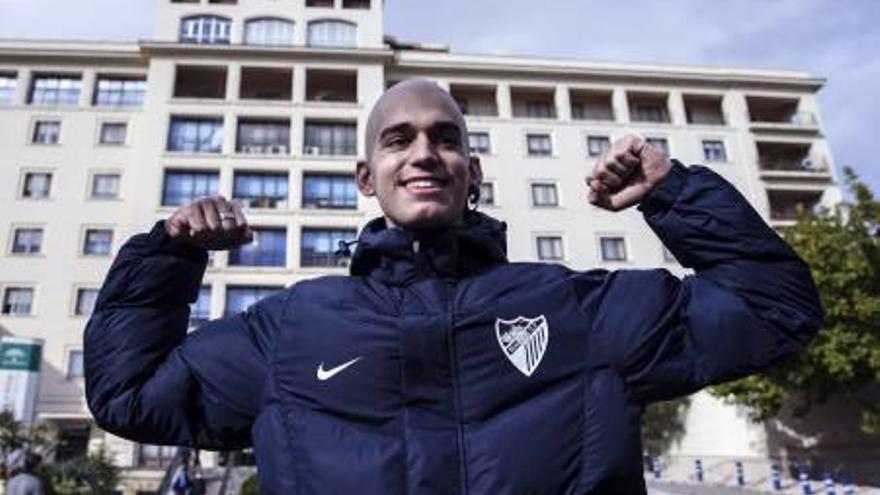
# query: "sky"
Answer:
x=838 y=40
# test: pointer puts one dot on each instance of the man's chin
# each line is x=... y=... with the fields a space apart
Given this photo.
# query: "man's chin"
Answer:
x=427 y=220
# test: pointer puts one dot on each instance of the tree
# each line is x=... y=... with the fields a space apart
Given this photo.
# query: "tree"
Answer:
x=663 y=425
x=92 y=474
x=842 y=248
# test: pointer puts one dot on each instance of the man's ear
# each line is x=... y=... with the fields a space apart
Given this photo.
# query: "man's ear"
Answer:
x=363 y=175
x=476 y=170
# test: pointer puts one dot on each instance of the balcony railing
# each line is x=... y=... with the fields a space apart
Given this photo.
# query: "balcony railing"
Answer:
x=810 y=165
x=800 y=119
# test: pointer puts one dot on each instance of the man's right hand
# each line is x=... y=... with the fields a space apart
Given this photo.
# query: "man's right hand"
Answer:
x=210 y=223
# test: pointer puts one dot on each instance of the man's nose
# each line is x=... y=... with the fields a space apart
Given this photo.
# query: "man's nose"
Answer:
x=423 y=151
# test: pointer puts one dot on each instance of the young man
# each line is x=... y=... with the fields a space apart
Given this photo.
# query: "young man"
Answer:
x=438 y=366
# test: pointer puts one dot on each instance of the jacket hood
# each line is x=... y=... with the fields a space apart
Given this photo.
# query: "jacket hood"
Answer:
x=399 y=256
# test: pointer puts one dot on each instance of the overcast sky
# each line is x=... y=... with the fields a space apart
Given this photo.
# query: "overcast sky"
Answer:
x=835 y=39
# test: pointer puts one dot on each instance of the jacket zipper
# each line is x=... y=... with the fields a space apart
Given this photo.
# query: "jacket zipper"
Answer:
x=456 y=388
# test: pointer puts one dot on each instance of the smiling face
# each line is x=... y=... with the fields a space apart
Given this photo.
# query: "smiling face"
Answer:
x=418 y=165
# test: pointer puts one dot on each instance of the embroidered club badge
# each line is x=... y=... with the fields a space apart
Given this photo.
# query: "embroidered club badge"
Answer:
x=523 y=341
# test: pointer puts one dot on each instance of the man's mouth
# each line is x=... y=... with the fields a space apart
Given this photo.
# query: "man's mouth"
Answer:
x=423 y=184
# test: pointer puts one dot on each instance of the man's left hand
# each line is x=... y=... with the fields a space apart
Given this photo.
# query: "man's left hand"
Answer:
x=625 y=172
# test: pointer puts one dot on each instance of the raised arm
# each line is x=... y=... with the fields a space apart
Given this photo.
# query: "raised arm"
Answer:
x=146 y=378
x=751 y=302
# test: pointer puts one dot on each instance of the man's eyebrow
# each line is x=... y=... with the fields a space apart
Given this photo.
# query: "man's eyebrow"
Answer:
x=401 y=127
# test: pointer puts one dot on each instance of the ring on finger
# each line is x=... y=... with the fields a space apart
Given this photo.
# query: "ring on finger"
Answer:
x=227 y=216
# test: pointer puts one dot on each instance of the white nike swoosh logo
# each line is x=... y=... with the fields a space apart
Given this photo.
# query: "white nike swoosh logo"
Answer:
x=327 y=374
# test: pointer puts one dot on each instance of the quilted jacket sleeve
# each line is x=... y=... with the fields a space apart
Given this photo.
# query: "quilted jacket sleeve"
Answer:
x=146 y=378
x=750 y=303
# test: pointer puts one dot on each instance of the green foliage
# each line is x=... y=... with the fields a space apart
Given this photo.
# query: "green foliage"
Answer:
x=93 y=474
x=250 y=486
x=842 y=248
x=42 y=437
x=663 y=425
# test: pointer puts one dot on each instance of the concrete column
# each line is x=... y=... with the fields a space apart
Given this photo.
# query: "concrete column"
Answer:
x=619 y=104
x=676 y=108
x=22 y=85
x=563 y=103
x=87 y=88
x=299 y=84
x=502 y=97
x=233 y=81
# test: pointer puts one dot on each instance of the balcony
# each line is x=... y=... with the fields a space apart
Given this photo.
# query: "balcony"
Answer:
x=533 y=103
x=591 y=105
x=780 y=114
x=200 y=81
x=791 y=161
x=703 y=110
x=265 y=83
x=785 y=205
x=263 y=136
x=475 y=101
x=648 y=107
x=331 y=86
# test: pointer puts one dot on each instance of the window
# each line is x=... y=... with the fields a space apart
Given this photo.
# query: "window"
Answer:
x=268 y=31
x=479 y=142
x=75 y=365
x=205 y=29
x=475 y=100
x=120 y=92
x=241 y=297
x=648 y=107
x=329 y=191
x=318 y=246
x=320 y=3
x=355 y=4
x=85 y=301
x=713 y=151
x=183 y=187
x=113 y=133
x=544 y=194
x=539 y=145
x=263 y=137
x=487 y=193
x=105 y=186
x=202 y=135
x=8 y=85
x=337 y=34
x=533 y=103
x=37 y=185
x=331 y=85
x=705 y=110
x=200 y=81
x=549 y=248
x=47 y=132
x=200 y=311
x=330 y=138
x=596 y=145
x=55 y=90
x=613 y=249
x=266 y=83
x=27 y=240
x=97 y=242
x=18 y=301
x=591 y=105
x=660 y=143
x=261 y=190
x=269 y=248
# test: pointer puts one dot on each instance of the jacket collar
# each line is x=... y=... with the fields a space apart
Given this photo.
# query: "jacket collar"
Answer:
x=400 y=256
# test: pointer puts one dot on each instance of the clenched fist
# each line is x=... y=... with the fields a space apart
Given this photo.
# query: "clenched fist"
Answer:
x=625 y=172
x=210 y=223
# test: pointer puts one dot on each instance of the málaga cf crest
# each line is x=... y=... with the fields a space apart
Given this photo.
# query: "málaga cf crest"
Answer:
x=523 y=341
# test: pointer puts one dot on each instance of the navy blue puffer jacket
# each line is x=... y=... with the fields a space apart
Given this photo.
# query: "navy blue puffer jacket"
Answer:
x=438 y=367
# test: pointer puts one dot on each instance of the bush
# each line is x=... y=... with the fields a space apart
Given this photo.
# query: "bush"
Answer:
x=250 y=486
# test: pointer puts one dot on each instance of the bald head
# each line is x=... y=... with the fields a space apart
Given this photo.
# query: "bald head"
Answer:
x=410 y=95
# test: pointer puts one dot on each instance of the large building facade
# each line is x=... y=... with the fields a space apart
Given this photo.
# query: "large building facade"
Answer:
x=266 y=101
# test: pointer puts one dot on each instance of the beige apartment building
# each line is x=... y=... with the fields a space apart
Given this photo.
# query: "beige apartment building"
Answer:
x=265 y=101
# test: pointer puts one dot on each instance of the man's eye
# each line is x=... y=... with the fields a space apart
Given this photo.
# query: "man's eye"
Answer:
x=395 y=141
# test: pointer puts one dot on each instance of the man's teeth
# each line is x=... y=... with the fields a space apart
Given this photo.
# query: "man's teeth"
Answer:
x=423 y=184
